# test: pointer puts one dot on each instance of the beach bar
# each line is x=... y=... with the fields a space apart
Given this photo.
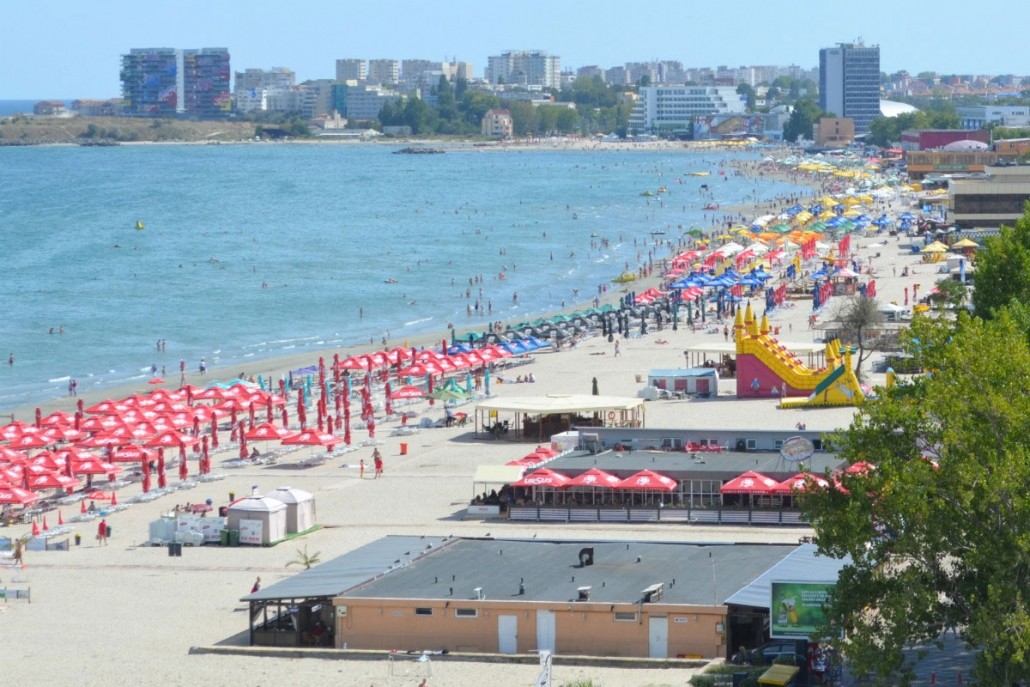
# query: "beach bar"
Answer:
x=536 y=418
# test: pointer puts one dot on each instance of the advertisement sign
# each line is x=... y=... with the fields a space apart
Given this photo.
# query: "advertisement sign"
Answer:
x=797 y=449
x=251 y=531
x=797 y=609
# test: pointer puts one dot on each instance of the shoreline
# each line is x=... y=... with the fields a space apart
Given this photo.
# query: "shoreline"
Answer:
x=280 y=362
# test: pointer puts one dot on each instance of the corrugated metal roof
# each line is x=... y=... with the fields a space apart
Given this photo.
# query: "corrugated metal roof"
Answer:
x=801 y=565
x=334 y=577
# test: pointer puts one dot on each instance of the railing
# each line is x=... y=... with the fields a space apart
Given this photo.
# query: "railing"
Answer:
x=713 y=516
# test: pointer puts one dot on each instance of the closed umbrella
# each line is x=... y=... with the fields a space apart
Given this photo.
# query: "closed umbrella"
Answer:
x=162 y=480
x=184 y=468
x=243 y=441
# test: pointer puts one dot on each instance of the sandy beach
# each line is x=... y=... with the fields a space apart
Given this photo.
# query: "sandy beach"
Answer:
x=127 y=613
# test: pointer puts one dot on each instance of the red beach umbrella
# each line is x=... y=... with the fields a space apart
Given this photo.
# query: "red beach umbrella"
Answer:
x=646 y=480
x=184 y=468
x=543 y=477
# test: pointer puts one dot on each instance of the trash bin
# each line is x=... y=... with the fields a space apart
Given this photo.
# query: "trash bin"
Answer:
x=224 y=539
x=78 y=540
x=174 y=549
x=234 y=537
x=108 y=531
x=232 y=496
x=404 y=448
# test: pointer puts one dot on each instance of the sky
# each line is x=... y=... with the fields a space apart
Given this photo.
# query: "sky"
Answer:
x=72 y=48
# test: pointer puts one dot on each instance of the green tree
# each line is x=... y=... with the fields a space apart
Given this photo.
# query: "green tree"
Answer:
x=523 y=118
x=950 y=293
x=475 y=105
x=748 y=92
x=806 y=113
x=305 y=559
x=446 y=106
x=1003 y=269
x=937 y=530
x=859 y=320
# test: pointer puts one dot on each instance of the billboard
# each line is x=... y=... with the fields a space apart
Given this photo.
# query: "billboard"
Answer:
x=797 y=609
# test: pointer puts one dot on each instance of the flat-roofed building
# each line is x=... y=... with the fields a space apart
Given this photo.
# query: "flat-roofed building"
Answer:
x=998 y=199
x=508 y=596
x=670 y=110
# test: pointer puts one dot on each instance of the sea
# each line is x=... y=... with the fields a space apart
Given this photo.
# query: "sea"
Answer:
x=241 y=253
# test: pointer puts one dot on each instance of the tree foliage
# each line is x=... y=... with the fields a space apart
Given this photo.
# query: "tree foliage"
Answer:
x=885 y=131
x=1003 y=269
x=858 y=318
x=937 y=531
x=806 y=113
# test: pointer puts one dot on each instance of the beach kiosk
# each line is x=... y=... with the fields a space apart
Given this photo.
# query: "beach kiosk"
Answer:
x=300 y=508
x=258 y=520
x=701 y=381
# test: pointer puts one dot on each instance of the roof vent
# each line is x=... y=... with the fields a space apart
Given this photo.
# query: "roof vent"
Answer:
x=584 y=594
x=653 y=594
x=586 y=556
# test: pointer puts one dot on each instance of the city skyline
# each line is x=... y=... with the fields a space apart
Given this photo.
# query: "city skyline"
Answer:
x=79 y=56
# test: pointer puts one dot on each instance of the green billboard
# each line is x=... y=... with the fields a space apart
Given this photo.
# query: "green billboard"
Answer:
x=797 y=609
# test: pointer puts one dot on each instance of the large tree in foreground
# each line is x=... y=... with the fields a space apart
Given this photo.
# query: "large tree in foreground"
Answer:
x=1003 y=268
x=938 y=531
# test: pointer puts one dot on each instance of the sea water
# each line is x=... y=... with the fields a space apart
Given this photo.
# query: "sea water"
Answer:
x=247 y=252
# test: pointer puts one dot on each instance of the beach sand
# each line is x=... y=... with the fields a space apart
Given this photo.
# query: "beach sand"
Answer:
x=127 y=613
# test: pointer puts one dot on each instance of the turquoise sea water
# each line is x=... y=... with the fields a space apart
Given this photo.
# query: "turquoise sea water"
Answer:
x=254 y=251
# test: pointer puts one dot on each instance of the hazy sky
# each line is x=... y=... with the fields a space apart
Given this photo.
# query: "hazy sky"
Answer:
x=72 y=48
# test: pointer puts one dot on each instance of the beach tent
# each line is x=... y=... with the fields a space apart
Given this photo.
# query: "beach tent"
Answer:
x=300 y=508
x=259 y=519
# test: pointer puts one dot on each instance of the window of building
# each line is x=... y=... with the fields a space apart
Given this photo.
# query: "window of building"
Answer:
x=465 y=612
x=423 y=611
x=625 y=617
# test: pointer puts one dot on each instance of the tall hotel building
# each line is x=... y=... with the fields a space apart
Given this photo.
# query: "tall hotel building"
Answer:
x=165 y=82
x=849 y=83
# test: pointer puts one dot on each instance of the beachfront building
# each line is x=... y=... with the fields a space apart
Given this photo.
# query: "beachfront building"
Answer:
x=49 y=108
x=509 y=596
x=253 y=86
x=998 y=199
x=97 y=108
x=933 y=139
x=524 y=67
x=497 y=124
x=980 y=116
x=670 y=110
x=361 y=103
x=167 y=82
x=849 y=83
x=956 y=158
x=834 y=131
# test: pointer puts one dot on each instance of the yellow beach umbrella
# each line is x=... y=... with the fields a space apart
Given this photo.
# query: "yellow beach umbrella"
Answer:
x=935 y=247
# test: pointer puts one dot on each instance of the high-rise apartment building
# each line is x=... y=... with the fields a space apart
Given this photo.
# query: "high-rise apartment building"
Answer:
x=253 y=86
x=849 y=83
x=384 y=71
x=348 y=69
x=526 y=68
x=165 y=82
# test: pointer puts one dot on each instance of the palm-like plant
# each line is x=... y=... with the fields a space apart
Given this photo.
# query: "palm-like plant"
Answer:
x=306 y=559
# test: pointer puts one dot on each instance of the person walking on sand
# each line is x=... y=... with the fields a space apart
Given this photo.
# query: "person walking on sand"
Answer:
x=19 y=553
x=257 y=586
x=361 y=469
x=377 y=460
x=102 y=532
x=617 y=348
